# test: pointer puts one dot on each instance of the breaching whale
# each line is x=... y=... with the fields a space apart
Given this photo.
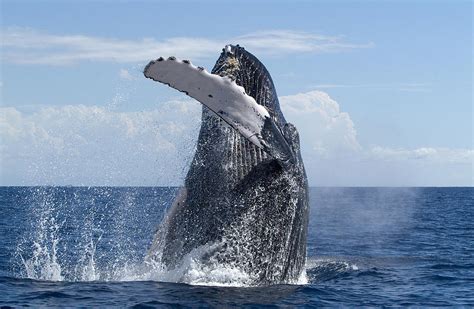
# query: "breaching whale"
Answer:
x=245 y=197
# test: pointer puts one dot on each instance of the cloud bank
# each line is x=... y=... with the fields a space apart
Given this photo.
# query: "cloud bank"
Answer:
x=92 y=145
x=334 y=157
x=28 y=46
x=316 y=115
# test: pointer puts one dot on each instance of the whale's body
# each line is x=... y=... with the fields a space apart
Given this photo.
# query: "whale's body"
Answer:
x=245 y=196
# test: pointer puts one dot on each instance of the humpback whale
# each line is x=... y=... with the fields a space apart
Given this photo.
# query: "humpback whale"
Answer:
x=245 y=196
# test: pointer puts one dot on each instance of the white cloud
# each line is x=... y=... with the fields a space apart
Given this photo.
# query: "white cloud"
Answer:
x=409 y=87
x=91 y=145
x=427 y=154
x=333 y=155
x=278 y=41
x=125 y=74
x=28 y=46
x=323 y=127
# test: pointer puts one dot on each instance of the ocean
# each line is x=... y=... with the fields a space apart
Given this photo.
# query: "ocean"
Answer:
x=84 y=247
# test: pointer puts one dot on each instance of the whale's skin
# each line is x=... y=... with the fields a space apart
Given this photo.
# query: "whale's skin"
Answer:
x=251 y=209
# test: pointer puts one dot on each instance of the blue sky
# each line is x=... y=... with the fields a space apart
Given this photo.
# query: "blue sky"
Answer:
x=381 y=90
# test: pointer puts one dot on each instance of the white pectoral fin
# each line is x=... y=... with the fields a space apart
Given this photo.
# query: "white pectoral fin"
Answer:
x=220 y=94
x=227 y=100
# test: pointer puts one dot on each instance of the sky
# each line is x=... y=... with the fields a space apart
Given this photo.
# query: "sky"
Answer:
x=380 y=91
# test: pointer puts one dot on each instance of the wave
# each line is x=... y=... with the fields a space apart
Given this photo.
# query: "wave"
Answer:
x=79 y=236
x=44 y=265
x=323 y=269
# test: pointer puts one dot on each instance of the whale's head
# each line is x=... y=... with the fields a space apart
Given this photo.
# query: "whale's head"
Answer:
x=247 y=71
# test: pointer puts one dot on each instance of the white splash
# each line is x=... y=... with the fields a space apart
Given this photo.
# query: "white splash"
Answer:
x=44 y=263
x=44 y=256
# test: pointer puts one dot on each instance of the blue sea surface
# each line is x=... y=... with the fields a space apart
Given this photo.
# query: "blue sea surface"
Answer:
x=83 y=247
